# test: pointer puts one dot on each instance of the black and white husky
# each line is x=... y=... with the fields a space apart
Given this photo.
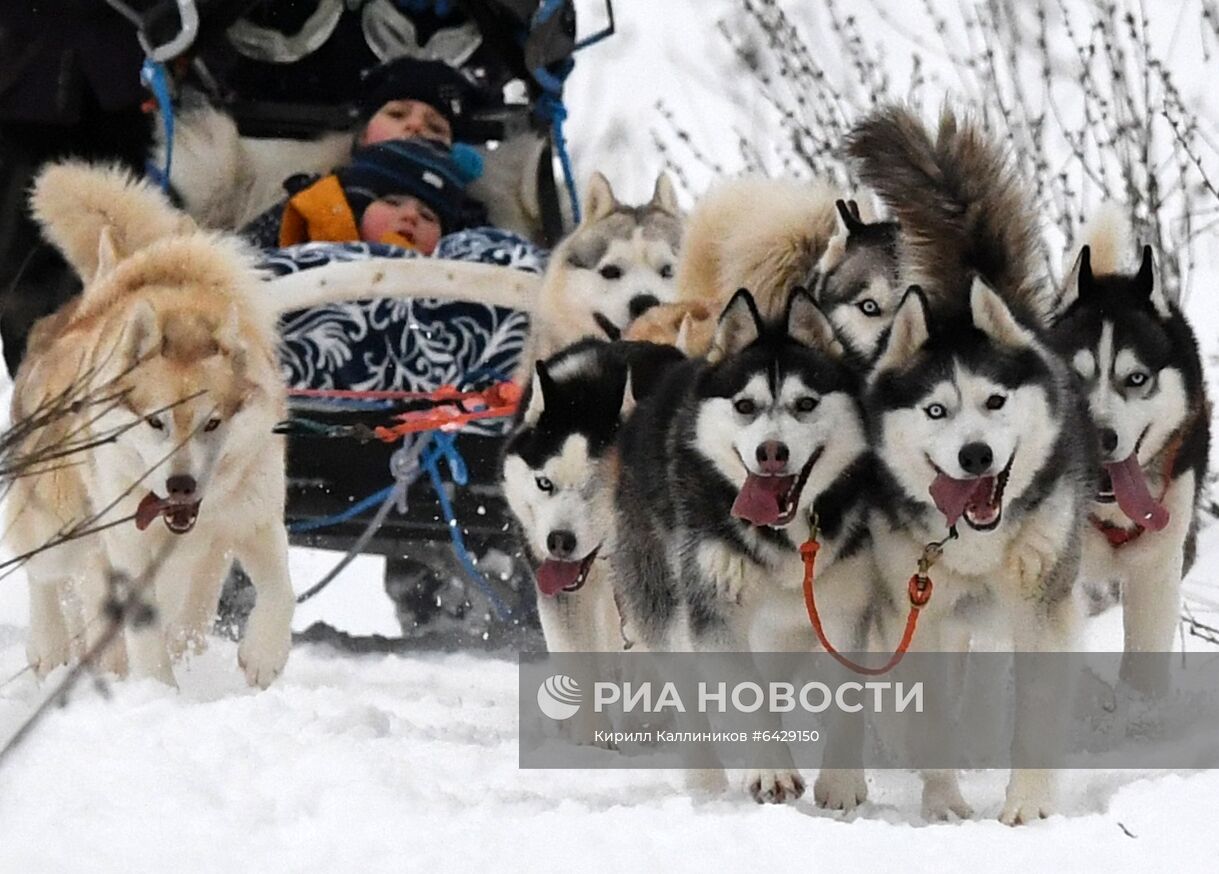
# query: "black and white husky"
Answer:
x=1139 y=363
x=976 y=423
x=559 y=471
x=720 y=469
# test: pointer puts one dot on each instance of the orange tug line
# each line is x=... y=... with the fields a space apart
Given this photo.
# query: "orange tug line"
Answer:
x=918 y=588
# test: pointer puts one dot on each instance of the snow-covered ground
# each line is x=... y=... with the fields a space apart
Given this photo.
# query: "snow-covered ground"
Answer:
x=409 y=762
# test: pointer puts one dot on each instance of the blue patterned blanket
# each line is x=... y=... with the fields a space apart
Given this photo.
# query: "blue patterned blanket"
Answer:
x=410 y=345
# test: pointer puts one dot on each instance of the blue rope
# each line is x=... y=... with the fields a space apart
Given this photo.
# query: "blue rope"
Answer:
x=444 y=446
x=350 y=513
x=154 y=77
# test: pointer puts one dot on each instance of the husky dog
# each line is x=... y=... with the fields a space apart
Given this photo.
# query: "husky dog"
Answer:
x=559 y=469
x=617 y=263
x=796 y=233
x=1139 y=363
x=719 y=471
x=978 y=426
x=856 y=279
x=170 y=333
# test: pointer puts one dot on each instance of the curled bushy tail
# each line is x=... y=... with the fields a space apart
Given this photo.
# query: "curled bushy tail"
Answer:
x=962 y=208
x=78 y=203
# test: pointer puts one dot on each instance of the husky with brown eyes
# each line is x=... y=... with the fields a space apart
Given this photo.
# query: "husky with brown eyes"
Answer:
x=720 y=474
x=171 y=327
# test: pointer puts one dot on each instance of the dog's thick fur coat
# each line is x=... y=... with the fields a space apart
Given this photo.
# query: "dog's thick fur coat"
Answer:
x=974 y=418
x=171 y=331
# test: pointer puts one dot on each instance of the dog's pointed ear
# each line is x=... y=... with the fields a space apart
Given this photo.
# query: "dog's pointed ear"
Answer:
x=664 y=196
x=537 y=394
x=1077 y=283
x=599 y=200
x=992 y=317
x=848 y=216
x=908 y=333
x=739 y=325
x=1145 y=283
x=107 y=253
x=142 y=332
x=628 y=397
x=836 y=246
x=808 y=326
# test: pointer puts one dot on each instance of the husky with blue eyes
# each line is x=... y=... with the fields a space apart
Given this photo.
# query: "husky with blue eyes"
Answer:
x=720 y=472
x=978 y=426
x=1138 y=361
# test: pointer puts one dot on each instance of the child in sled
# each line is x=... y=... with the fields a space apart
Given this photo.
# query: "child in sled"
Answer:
x=406 y=193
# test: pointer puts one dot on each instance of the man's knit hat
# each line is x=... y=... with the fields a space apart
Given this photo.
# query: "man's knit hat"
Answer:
x=419 y=168
x=432 y=82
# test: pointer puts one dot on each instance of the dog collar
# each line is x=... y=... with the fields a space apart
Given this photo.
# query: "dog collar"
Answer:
x=1117 y=535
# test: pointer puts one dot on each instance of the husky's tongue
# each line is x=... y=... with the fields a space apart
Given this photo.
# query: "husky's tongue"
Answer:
x=555 y=576
x=1130 y=489
x=952 y=496
x=760 y=500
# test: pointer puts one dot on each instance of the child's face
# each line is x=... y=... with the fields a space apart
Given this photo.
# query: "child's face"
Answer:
x=400 y=216
x=404 y=120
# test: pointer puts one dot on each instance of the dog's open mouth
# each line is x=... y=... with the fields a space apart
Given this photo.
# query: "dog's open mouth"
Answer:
x=772 y=500
x=979 y=501
x=179 y=517
x=556 y=576
x=1124 y=482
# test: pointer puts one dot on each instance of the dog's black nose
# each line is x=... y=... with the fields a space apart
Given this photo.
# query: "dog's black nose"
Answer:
x=641 y=303
x=975 y=458
x=1108 y=439
x=772 y=456
x=562 y=544
x=181 y=487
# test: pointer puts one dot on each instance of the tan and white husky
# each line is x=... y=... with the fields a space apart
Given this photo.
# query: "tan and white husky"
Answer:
x=170 y=332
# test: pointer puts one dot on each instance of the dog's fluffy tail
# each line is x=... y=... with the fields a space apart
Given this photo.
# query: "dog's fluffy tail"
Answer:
x=91 y=212
x=404 y=278
x=962 y=208
x=1109 y=238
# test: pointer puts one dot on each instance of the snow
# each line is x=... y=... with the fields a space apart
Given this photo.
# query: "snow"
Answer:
x=409 y=761
x=354 y=763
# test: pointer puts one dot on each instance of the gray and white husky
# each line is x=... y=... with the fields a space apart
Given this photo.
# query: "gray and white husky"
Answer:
x=559 y=471
x=618 y=262
x=1138 y=360
x=856 y=281
x=719 y=470
x=976 y=423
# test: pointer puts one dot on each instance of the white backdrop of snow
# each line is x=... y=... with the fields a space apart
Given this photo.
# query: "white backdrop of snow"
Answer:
x=410 y=762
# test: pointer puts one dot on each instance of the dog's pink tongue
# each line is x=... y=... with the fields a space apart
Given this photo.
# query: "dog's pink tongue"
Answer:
x=760 y=499
x=555 y=576
x=1130 y=489
x=151 y=506
x=952 y=496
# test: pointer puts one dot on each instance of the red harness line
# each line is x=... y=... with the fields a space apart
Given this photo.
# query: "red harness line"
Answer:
x=918 y=588
x=455 y=408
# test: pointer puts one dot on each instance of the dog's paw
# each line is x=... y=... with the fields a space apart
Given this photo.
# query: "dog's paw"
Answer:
x=1030 y=797
x=942 y=801
x=840 y=789
x=262 y=661
x=774 y=787
x=46 y=652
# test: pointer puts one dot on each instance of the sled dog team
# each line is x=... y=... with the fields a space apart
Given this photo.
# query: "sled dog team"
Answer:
x=893 y=380
x=894 y=377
